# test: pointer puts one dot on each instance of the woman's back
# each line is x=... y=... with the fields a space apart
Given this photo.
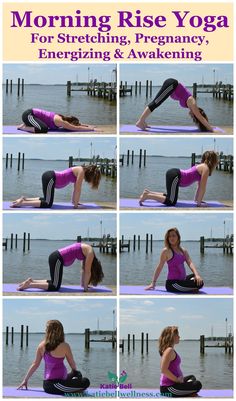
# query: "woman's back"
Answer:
x=54 y=362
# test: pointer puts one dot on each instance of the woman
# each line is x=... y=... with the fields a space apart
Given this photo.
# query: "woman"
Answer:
x=39 y=121
x=173 y=383
x=171 y=87
x=175 y=256
x=60 y=179
x=53 y=349
x=176 y=178
x=91 y=268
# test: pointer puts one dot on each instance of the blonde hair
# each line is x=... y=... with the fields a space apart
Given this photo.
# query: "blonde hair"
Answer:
x=210 y=158
x=166 y=338
x=54 y=335
x=92 y=175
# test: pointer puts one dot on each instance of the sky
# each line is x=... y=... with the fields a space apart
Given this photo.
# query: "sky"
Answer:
x=190 y=225
x=185 y=73
x=75 y=315
x=176 y=146
x=60 y=148
x=58 y=74
x=194 y=317
x=59 y=226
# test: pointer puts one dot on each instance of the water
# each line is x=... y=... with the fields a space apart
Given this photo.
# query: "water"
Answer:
x=28 y=183
x=90 y=110
x=214 y=369
x=219 y=112
x=137 y=268
x=17 y=360
x=18 y=266
x=133 y=180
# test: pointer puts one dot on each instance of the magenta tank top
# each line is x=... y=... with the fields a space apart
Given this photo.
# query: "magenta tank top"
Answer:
x=181 y=94
x=54 y=367
x=64 y=178
x=176 y=269
x=188 y=177
x=46 y=116
x=174 y=367
x=70 y=253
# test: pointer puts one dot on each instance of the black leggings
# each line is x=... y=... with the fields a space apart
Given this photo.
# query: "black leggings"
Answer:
x=48 y=184
x=74 y=383
x=167 y=88
x=172 y=186
x=31 y=121
x=187 y=285
x=56 y=271
x=187 y=388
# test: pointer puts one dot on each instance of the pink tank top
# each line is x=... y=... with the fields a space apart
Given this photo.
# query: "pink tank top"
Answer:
x=46 y=116
x=181 y=94
x=54 y=367
x=70 y=253
x=188 y=177
x=176 y=269
x=174 y=367
x=64 y=178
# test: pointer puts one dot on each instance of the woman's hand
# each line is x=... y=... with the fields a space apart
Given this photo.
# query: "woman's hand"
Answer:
x=202 y=204
x=198 y=279
x=23 y=384
x=150 y=287
x=180 y=379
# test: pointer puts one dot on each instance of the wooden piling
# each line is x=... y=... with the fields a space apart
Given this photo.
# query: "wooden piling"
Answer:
x=18 y=87
x=132 y=157
x=6 y=160
x=144 y=157
x=70 y=161
x=11 y=86
x=21 y=336
x=202 y=243
x=6 y=86
x=123 y=346
x=24 y=242
x=150 y=88
x=146 y=243
x=27 y=336
x=193 y=159
x=140 y=158
x=11 y=241
x=147 y=343
x=87 y=338
x=28 y=241
x=7 y=334
x=128 y=342
x=23 y=161
x=68 y=86
x=195 y=90
x=147 y=88
x=133 y=342
x=18 y=162
x=22 y=86
x=140 y=87
x=11 y=160
x=113 y=340
x=127 y=157
x=12 y=335
x=142 y=343
x=139 y=242
x=136 y=88
x=202 y=344
x=151 y=240
x=16 y=241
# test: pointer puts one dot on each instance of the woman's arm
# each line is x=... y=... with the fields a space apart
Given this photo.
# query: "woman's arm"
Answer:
x=163 y=259
x=87 y=269
x=32 y=368
x=69 y=357
x=71 y=127
x=77 y=187
x=202 y=185
x=167 y=357
x=193 y=268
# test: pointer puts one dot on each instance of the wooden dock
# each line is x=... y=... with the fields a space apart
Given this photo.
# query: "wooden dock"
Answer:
x=88 y=340
x=226 y=344
x=107 y=167
x=102 y=90
x=218 y=90
x=219 y=243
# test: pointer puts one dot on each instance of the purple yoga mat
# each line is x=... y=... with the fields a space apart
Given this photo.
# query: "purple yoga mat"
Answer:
x=11 y=129
x=12 y=392
x=139 y=290
x=161 y=129
x=65 y=288
x=38 y=392
x=134 y=203
x=55 y=206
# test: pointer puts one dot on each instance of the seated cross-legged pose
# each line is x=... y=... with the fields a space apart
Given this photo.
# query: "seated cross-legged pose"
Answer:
x=173 y=383
x=174 y=89
x=175 y=256
x=92 y=272
x=52 y=180
x=176 y=178
x=53 y=349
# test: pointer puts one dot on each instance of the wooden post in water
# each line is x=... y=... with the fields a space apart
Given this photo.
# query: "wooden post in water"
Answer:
x=70 y=161
x=132 y=157
x=139 y=242
x=24 y=242
x=6 y=86
x=6 y=160
x=7 y=334
x=11 y=240
x=11 y=86
x=133 y=342
x=18 y=162
x=147 y=343
x=134 y=242
x=127 y=157
x=27 y=336
x=193 y=159
x=87 y=338
x=147 y=88
x=202 y=344
x=150 y=88
x=195 y=90
x=68 y=86
x=12 y=335
x=146 y=243
x=140 y=87
x=142 y=343
x=11 y=160
x=151 y=240
x=140 y=158
x=28 y=241
x=79 y=238
x=202 y=242
x=136 y=88
x=22 y=86
x=23 y=161
x=128 y=342
x=113 y=340
x=18 y=87
x=21 y=336
x=144 y=157
x=16 y=240
x=123 y=346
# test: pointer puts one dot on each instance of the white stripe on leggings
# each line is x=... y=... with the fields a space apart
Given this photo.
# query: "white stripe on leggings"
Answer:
x=173 y=188
x=49 y=190
x=180 y=392
x=163 y=94
x=33 y=122
x=60 y=386
x=182 y=288
x=56 y=273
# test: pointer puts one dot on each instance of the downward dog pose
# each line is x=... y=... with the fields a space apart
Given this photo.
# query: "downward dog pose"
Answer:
x=60 y=179
x=176 y=178
x=91 y=268
x=174 y=255
x=174 y=89
x=39 y=121
x=53 y=349
x=173 y=383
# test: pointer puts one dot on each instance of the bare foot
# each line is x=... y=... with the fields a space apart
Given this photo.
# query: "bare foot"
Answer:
x=21 y=126
x=25 y=284
x=144 y=196
x=18 y=202
x=142 y=125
